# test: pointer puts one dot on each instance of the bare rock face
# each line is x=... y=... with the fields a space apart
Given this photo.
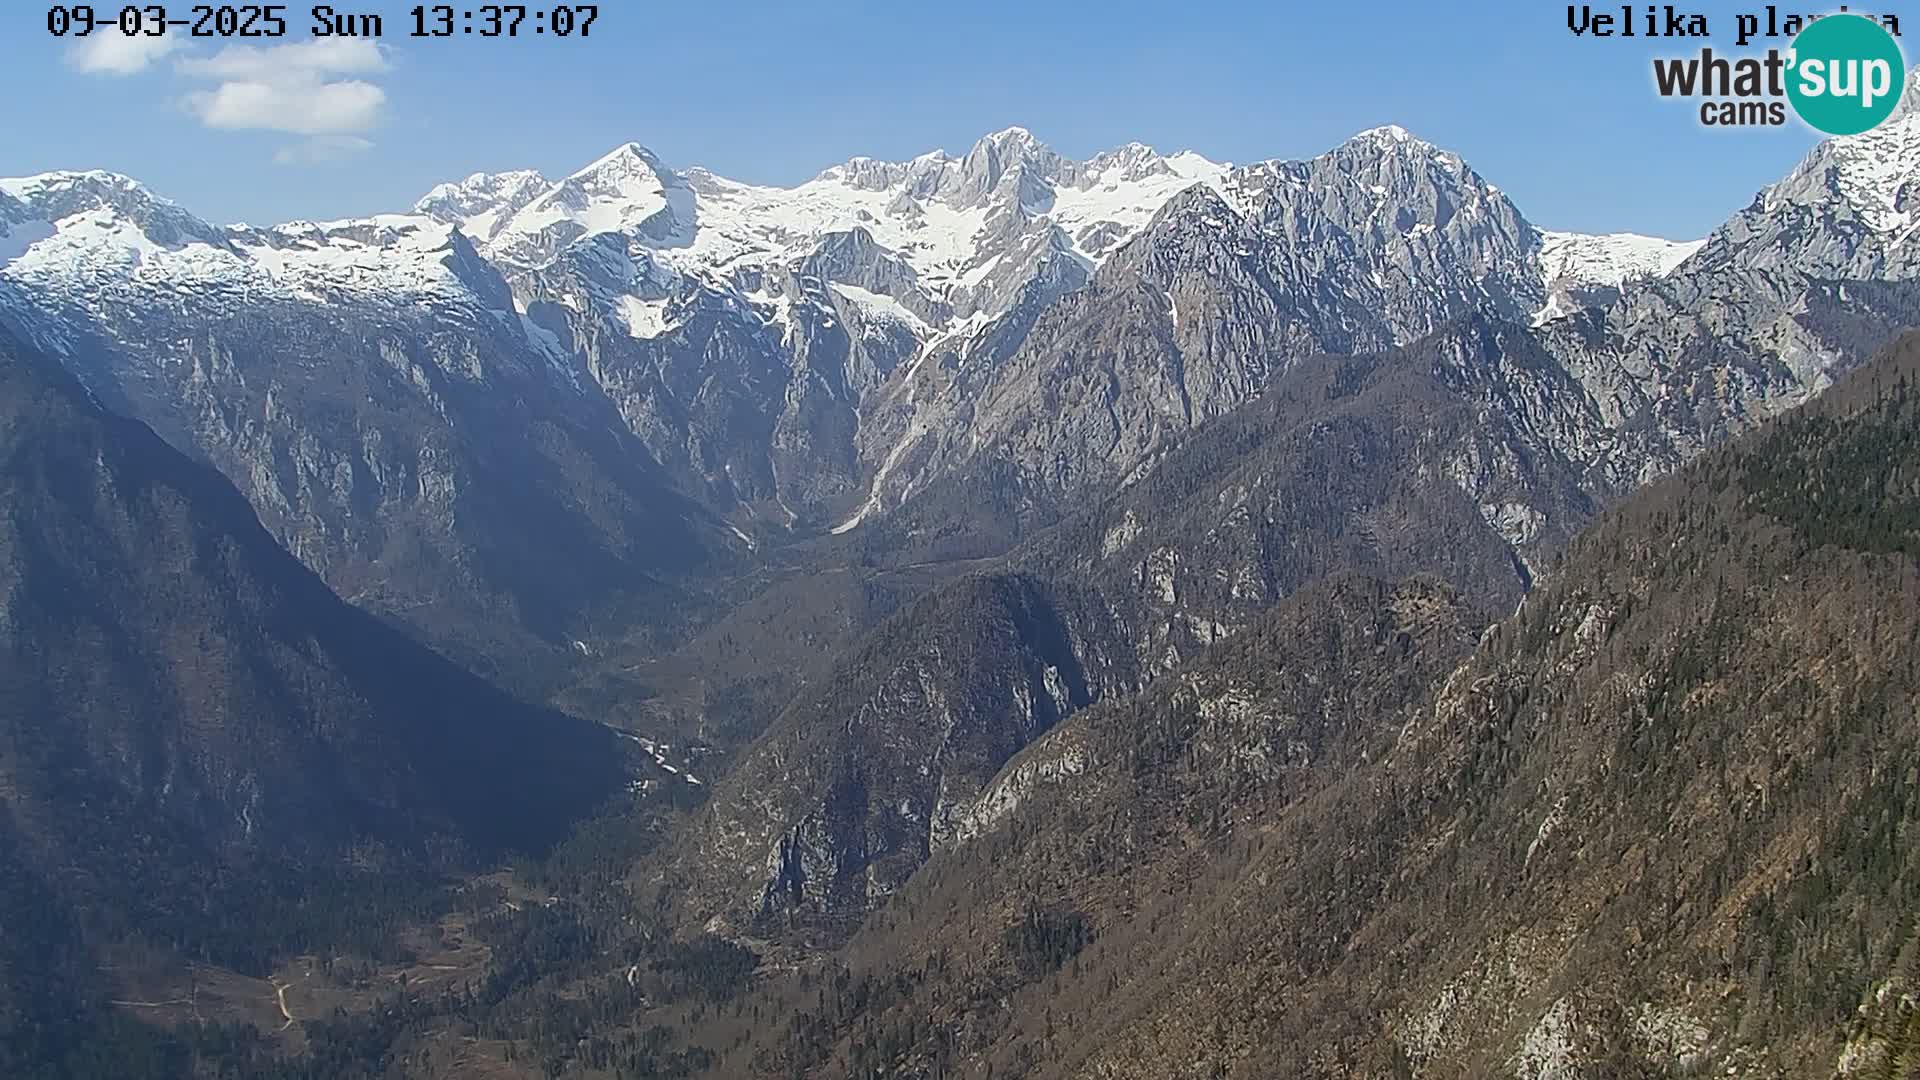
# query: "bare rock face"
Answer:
x=867 y=774
x=1373 y=245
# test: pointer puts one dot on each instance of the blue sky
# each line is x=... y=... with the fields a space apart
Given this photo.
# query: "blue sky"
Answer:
x=774 y=92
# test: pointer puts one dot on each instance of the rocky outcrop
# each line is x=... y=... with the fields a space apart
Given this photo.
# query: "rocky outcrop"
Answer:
x=843 y=800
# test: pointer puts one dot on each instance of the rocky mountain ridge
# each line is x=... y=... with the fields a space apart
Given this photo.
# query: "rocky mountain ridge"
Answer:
x=1473 y=454
x=786 y=321
x=758 y=363
x=1207 y=769
x=1223 y=291
x=1647 y=825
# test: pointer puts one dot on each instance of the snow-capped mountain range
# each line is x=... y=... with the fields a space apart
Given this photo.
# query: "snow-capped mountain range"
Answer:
x=950 y=225
x=68 y=232
x=809 y=357
x=818 y=294
x=939 y=216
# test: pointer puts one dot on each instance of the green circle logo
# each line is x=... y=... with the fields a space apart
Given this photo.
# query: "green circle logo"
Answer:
x=1846 y=74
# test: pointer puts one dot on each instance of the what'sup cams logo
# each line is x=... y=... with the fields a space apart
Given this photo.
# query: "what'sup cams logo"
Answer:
x=1841 y=74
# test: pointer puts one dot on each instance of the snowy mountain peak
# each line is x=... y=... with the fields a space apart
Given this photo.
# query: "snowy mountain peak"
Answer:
x=627 y=159
x=1876 y=174
x=1010 y=135
x=1388 y=132
x=481 y=203
x=1012 y=145
x=1138 y=161
x=49 y=184
x=485 y=185
x=1011 y=163
x=104 y=259
x=1396 y=144
x=1584 y=269
x=1393 y=137
x=627 y=189
x=109 y=203
x=56 y=195
x=1394 y=179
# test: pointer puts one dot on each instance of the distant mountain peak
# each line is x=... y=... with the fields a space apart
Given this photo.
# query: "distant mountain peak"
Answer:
x=1012 y=153
x=1393 y=136
x=627 y=188
x=25 y=187
x=1013 y=134
x=626 y=157
x=1579 y=268
x=491 y=180
x=61 y=194
x=107 y=210
x=1393 y=132
x=1137 y=161
x=482 y=202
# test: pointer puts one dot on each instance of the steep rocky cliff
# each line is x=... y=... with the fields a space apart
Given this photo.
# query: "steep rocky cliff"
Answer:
x=842 y=800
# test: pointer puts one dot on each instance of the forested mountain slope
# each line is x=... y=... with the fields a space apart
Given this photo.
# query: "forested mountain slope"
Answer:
x=1390 y=464
x=1657 y=823
x=176 y=688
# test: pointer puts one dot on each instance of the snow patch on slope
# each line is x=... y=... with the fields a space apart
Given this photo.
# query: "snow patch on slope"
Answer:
x=1610 y=259
x=1586 y=261
x=645 y=319
x=482 y=203
x=15 y=241
x=103 y=232
x=397 y=254
x=875 y=307
x=1876 y=173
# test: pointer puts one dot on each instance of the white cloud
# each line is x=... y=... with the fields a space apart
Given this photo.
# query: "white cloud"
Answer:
x=322 y=150
x=304 y=108
x=310 y=59
x=318 y=88
x=295 y=88
x=109 y=52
